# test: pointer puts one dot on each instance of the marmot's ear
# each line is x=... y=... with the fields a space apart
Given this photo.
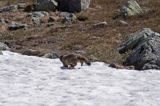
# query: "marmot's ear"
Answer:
x=60 y=57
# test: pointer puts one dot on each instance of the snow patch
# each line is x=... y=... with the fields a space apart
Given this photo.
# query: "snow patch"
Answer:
x=34 y=81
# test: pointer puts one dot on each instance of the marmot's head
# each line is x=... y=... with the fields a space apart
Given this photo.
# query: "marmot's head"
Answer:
x=88 y=63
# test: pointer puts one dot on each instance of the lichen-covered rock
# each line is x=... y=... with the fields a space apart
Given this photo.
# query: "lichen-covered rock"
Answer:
x=3 y=46
x=131 y=8
x=73 y=5
x=145 y=46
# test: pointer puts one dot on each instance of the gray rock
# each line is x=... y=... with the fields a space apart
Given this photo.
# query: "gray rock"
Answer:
x=131 y=8
x=123 y=23
x=2 y=21
x=100 y=25
x=1 y=53
x=31 y=52
x=22 y=5
x=36 y=16
x=73 y=5
x=145 y=46
x=68 y=17
x=51 y=55
x=3 y=47
x=16 y=26
x=46 y=5
x=11 y=8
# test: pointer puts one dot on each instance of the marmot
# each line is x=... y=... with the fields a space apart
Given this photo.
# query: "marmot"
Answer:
x=72 y=60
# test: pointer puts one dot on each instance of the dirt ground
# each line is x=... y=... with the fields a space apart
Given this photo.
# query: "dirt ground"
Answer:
x=99 y=44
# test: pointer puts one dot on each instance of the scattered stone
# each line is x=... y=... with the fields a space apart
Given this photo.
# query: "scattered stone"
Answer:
x=123 y=23
x=3 y=46
x=51 y=55
x=3 y=21
x=21 y=5
x=1 y=53
x=145 y=46
x=11 y=8
x=68 y=17
x=73 y=6
x=16 y=26
x=118 y=66
x=31 y=52
x=36 y=16
x=82 y=18
x=82 y=52
x=46 y=5
x=100 y=25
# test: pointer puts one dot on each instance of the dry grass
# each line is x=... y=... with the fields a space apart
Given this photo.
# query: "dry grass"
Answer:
x=99 y=44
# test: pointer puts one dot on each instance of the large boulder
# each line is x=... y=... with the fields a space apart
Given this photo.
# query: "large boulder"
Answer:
x=45 y=5
x=145 y=46
x=73 y=5
x=131 y=8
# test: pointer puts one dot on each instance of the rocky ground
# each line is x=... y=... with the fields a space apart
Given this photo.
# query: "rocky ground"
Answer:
x=98 y=43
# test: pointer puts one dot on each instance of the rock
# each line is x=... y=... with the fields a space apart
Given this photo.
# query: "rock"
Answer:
x=21 y=5
x=16 y=26
x=31 y=52
x=131 y=8
x=36 y=16
x=1 y=53
x=73 y=6
x=118 y=66
x=82 y=18
x=123 y=23
x=145 y=46
x=3 y=46
x=51 y=55
x=68 y=17
x=11 y=8
x=3 y=21
x=100 y=25
x=46 y=5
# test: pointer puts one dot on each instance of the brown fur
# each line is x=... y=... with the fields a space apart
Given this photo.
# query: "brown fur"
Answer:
x=72 y=60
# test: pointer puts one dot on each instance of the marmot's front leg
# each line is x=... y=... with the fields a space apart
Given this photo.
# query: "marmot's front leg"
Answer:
x=65 y=65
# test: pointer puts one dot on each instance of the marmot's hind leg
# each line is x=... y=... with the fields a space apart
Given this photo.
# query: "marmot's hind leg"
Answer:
x=73 y=65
